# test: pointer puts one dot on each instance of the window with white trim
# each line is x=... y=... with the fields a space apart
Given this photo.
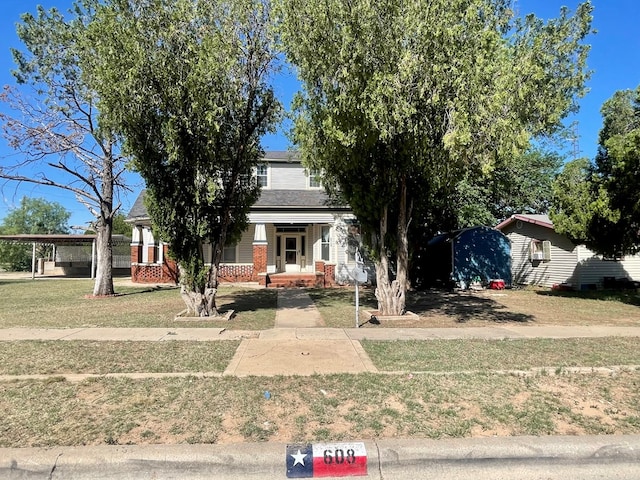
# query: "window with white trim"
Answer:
x=540 y=251
x=325 y=242
x=315 y=178
x=262 y=175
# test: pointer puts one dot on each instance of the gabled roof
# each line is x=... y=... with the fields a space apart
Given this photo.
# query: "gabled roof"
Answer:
x=270 y=200
x=138 y=210
x=542 y=220
x=281 y=156
x=287 y=199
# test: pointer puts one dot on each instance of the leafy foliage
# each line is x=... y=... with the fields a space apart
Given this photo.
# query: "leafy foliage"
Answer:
x=570 y=211
x=599 y=203
x=33 y=216
x=401 y=99
x=194 y=78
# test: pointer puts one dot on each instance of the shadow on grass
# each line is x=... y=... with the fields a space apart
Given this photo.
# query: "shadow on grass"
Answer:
x=331 y=297
x=247 y=300
x=463 y=307
x=630 y=297
x=121 y=292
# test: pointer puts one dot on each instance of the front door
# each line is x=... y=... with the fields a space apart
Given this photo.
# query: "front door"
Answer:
x=291 y=254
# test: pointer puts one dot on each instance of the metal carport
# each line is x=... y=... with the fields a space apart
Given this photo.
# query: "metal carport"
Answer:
x=57 y=240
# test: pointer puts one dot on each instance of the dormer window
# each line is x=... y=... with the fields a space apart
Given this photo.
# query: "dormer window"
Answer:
x=314 y=178
x=262 y=175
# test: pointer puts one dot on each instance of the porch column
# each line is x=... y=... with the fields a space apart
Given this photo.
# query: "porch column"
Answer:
x=260 y=253
x=136 y=245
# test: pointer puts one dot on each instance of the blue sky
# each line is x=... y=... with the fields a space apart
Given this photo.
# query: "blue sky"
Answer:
x=614 y=59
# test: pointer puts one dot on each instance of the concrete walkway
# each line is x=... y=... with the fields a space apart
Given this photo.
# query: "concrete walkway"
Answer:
x=296 y=310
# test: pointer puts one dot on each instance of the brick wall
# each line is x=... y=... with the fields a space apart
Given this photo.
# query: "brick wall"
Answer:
x=329 y=275
x=136 y=253
x=152 y=273
x=327 y=272
x=236 y=273
x=259 y=260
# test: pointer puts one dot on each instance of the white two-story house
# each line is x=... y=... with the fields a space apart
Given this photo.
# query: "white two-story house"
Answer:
x=296 y=235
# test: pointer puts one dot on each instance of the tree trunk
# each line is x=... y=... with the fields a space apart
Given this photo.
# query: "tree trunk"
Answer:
x=200 y=303
x=103 y=284
x=104 y=229
x=391 y=295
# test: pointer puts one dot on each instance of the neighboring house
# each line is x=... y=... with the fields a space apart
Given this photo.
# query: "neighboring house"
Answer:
x=296 y=235
x=465 y=256
x=540 y=256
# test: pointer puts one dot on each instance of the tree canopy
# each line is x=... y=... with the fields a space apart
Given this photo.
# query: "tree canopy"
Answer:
x=186 y=83
x=599 y=203
x=401 y=99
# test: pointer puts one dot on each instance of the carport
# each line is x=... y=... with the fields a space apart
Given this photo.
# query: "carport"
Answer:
x=61 y=241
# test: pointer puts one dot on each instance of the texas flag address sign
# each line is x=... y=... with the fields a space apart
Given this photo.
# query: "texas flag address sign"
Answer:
x=326 y=460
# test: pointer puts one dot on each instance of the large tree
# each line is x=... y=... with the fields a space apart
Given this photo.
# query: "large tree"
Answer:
x=615 y=227
x=186 y=82
x=571 y=202
x=400 y=97
x=516 y=184
x=32 y=216
x=599 y=203
x=56 y=126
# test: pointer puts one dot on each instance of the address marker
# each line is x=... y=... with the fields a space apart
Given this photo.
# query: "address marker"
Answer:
x=326 y=460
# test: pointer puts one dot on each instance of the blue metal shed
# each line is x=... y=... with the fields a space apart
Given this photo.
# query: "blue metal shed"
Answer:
x=471 y=254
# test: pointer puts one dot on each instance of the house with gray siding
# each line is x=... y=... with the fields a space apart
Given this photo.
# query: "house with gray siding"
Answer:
x=296 y=235
x=540 y=256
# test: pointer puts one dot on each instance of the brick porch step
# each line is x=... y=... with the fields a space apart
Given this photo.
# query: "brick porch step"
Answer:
x=291 y=280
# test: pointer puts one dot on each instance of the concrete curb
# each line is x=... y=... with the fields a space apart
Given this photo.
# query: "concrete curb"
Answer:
x=491 y=458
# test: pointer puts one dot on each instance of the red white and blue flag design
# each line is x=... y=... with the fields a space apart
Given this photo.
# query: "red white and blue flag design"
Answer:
x=326 y=460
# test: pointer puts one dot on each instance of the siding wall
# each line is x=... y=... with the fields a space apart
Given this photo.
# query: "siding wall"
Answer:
x=592 y=268
x=244 y=253
x=560 y=269
x=287 y=176
x=574 y=265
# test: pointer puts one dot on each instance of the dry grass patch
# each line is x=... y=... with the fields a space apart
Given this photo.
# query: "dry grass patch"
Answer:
x=75 y=356
x=332 y=407
x=437 y=308
x=491 y=355
x=62 y=303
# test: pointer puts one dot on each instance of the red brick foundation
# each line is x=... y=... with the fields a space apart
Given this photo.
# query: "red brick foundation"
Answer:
x=153 y=273
x=236 y=273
